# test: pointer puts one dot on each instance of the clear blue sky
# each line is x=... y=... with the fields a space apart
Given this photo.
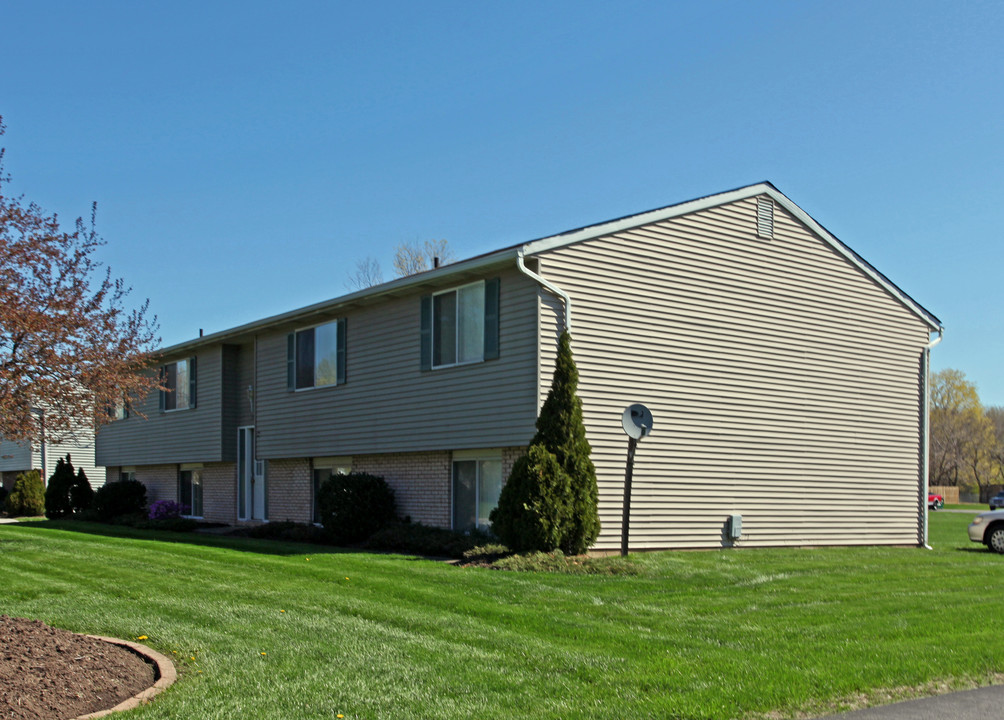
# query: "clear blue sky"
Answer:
x=244 y=156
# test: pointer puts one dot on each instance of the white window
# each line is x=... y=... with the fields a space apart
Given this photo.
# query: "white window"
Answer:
x=178 y=379
x=458 y=325
x=127 y=472
x=477 y=484
x=190 y=489
x=324 y=468
x=316 y=356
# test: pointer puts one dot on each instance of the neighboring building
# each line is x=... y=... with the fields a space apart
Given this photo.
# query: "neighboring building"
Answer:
x=787 y=378
x=19 y=457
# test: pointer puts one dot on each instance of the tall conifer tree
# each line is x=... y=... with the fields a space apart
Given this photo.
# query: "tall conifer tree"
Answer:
x=550 y=498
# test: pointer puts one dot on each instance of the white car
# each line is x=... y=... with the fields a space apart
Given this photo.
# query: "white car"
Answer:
x=988 y=528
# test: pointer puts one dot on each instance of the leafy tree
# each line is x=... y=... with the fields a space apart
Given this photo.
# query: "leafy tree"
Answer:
x=27 y=497
x=964 y=445
x=69 y=349
x=410 y=258
x=57 y=493
x=550 y=499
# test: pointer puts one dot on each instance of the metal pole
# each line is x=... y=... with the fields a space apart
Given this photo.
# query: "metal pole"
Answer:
x=628 y=472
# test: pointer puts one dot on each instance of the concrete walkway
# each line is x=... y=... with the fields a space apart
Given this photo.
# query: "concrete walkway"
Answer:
x=985 y=703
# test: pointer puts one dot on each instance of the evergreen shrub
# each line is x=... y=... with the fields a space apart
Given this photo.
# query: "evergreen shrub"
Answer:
x=354 y=506
x=27 y=497
x=550 y=499
x=126 y=497
x=57 y=494
x=81 y=492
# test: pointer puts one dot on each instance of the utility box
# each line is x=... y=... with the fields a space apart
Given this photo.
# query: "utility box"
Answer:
x=735 y=526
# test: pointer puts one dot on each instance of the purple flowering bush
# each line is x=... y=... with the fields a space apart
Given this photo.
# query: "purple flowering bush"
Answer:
x=167 y=510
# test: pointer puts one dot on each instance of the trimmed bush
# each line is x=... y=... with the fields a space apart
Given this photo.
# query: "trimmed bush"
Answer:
x=550 y=500
x=419 y=539
x=354 y=506
x=289 y=531
x=27 y=497
x=57 y=494
x=81 y=492
x=126 y=497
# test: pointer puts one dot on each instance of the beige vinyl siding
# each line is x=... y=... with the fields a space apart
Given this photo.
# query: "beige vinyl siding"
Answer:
x=178 y=436
x=784 y=382
x=15 y=456
x=388 y=404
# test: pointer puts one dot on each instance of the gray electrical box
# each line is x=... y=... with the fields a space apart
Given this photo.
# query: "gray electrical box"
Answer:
x=735 y=526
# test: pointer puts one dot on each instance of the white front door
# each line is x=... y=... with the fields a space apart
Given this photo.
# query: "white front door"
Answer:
x=251 y=501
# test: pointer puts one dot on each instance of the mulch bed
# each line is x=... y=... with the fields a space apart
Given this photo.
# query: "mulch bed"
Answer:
x=52 y=674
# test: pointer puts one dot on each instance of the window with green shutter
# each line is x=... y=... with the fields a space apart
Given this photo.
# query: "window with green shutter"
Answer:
x=460 y=325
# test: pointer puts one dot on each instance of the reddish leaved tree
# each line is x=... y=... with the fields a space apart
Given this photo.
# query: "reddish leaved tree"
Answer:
x=69 y=348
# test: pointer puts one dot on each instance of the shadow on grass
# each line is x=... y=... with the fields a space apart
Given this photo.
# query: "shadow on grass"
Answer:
x=229 y=542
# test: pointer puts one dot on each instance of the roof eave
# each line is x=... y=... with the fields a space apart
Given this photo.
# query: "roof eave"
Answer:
x=393 y=287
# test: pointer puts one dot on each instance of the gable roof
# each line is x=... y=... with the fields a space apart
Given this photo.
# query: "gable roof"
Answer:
x=433 y=278
x=709 y=201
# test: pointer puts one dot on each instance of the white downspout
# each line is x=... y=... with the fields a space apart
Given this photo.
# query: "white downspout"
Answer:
x=927 y=427
x=549 y=285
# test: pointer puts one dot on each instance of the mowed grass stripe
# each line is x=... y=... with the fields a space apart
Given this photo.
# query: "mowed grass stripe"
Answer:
x=697 y=635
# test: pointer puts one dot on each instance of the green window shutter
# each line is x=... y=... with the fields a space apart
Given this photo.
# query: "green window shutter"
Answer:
x=426 y=336
x=291 y=361
x=340 y=370
x=162 y=404
x=492 y=319
x=192 y=384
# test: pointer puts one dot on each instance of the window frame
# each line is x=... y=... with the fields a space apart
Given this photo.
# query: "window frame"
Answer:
x=333 y=466
x=191 y=364
x=457 y=325
x=491 y=325
x=478 y=457
x=192 y=468
x=293 y=368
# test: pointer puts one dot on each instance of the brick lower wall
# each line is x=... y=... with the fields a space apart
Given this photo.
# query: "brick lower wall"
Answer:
x=219 y=492
x=421 y=483
x=161 y=481
x=289 y=490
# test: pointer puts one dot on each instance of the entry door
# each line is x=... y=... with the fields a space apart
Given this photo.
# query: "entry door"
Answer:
x=251 y=503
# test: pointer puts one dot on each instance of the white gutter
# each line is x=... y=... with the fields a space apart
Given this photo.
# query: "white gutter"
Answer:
x=927 y=427
x=549 y=285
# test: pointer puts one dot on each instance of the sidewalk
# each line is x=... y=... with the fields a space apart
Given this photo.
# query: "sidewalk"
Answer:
x=984 y=703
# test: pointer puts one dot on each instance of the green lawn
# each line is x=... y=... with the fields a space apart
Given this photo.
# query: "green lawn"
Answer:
x=738 y=633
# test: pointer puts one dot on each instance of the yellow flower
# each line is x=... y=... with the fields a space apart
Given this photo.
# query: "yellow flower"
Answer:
x=346 y=578
x=339 y=715
x=264 y=654
x=193 y=657
x=175 y=652
x=142 y=637
x=282 y=611
x=308 y=559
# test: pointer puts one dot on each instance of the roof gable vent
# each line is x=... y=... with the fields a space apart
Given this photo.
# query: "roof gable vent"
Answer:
x=764 y=217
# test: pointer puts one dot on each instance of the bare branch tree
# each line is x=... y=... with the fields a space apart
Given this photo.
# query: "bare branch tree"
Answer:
x=409 y=258
x=69 y=348
x=367 y=274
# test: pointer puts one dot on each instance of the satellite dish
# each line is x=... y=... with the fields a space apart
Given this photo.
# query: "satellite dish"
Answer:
x=637 y=421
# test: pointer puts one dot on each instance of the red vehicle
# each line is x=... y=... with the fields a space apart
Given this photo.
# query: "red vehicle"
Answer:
x=935 y=502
